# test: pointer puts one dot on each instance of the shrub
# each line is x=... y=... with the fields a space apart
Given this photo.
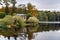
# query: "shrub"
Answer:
x=1 y=22
x=19 y=21
x=16 y=21
x=33 y=21
x=8 y=20
x=2 y=14
x=28 y=15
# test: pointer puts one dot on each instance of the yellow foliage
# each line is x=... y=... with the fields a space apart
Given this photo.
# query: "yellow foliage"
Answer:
x=8 y=26
x=34 y=12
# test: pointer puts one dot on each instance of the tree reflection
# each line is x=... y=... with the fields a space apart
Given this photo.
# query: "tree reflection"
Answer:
x=15 y=37
x=29 y=31
x=41 y=28
x=48 y=27
x=30 y=36
x=8 y=37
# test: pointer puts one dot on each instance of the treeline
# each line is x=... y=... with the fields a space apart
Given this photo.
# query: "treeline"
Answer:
x=48 y=16
x=41 y=15
x=31 y=10
x=17 y=10
x=21 y=9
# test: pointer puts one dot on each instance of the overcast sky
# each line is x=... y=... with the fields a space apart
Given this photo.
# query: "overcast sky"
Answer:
x=43 y=4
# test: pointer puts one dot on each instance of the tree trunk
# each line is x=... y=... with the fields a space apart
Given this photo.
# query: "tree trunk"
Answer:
x=13 y=9
x=6 y=9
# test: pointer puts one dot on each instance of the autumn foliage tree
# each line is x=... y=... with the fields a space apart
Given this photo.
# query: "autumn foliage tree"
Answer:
x=32 y=9
x=6 y=2
x=2 y=9
x=10 y=9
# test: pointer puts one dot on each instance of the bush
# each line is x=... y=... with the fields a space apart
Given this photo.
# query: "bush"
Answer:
x=28 y=15
x=19 y=21
x=33 y=21
x=2 y=14
x=16 y=21
x=8 y=20
x=1 y=22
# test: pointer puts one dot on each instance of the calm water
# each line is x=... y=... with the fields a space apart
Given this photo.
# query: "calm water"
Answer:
x=44 y=32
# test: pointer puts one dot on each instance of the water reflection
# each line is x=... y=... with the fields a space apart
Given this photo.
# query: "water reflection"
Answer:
x=41 y=32
x=46 y=32
x=51 y=35
x=48 y=27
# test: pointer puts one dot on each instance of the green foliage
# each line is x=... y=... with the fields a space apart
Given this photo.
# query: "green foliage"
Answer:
x=13 y=14
x=3 y=27
x=12 y=20
x=19 y=22
x=42 y=16
x=28 y=15
x=51 y=16
x=2 y=14
x=8 y=20
x=1 y=22
x=33 y=21
x=16 y=21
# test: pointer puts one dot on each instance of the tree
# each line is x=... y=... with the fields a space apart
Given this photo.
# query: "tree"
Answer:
x=28 y=15
x=42 y=16
x=30 y=6
x=51 y=16
x=10 y=10
x=6 y=2
x=13 y=8
x=2 y=9
x=32 y=9
x=6 y=8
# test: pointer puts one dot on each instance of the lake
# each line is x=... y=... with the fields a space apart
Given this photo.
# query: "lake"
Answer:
x=44 y=32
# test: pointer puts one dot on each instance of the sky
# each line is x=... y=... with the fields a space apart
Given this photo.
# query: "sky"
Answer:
x=43 y=4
